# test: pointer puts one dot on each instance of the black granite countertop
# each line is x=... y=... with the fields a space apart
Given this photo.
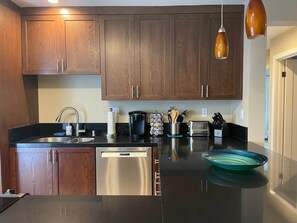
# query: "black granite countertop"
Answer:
x=192 y=191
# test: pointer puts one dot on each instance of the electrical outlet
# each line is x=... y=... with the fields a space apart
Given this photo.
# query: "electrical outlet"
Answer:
x=204 y=112
x=241 y=114
x=116 y=110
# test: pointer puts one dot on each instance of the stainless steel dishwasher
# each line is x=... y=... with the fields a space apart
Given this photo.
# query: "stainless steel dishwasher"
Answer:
x=124 y=170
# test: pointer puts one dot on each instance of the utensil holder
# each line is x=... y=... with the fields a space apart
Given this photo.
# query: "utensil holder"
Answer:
x=174 y=128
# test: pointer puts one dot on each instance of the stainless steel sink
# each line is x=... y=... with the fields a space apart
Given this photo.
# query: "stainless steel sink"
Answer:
x=52 y=139
x=63 y=140
x=81 y=140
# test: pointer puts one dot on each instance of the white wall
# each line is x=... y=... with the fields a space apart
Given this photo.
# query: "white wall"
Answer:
x=281 y=47
x=84 y=93
x=253 y=103
x=281 y=12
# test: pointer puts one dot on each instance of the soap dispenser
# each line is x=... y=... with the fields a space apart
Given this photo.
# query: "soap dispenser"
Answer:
x=69 y=130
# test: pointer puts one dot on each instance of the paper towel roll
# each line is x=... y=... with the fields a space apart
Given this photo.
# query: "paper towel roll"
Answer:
x=111 y=120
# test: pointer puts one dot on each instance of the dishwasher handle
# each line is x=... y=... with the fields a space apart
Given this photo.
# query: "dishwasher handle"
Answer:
x=123 y=154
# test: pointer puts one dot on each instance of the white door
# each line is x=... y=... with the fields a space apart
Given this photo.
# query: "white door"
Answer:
x=290 y=110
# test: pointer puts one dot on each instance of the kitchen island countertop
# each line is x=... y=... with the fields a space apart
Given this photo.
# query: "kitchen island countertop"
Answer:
x=192 y=191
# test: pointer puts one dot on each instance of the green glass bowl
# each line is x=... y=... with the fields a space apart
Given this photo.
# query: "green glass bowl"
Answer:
x=233 y=159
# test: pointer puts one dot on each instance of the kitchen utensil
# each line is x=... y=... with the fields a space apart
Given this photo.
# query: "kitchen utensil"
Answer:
x=174 y=115
x=181 y=117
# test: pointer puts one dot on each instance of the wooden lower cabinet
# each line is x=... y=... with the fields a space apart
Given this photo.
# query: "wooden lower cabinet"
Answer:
x=31 y=170
x=53 y=171
x=75 y=171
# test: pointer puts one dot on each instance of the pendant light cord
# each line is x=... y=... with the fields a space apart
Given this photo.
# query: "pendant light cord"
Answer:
x=222 y=14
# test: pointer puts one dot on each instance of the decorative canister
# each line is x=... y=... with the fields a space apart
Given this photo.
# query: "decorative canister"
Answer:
x=156 y=122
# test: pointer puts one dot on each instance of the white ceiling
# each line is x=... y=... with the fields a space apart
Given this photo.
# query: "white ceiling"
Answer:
x=66 y=3
x=274 y=31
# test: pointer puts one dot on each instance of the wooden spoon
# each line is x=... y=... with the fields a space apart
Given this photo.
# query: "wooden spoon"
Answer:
x=173 y=115
x=177 y=114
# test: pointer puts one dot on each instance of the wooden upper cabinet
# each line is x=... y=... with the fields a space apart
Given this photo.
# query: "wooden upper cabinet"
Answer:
x=224 y=77
x=152 y=46
x=41 y=44
x=189 y=56
x=117 y=57
x=61 y=45
x=81 y=42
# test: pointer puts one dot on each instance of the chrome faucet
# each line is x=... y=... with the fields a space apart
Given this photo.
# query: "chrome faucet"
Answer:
x=58 y=119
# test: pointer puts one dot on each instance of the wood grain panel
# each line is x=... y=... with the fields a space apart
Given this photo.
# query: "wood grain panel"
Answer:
x=225 y=76
x=81 y=45
x=31 y=92
x=117 y=57
x=187 y=35
x=13 y=109
x=32 y=171
x=133 y=10
x=76 y=172
x=41 y=45
x=152 y=45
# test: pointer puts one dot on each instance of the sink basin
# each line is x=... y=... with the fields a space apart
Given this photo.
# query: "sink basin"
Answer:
x=63 y=140
x=81 y=140
x=52 y=139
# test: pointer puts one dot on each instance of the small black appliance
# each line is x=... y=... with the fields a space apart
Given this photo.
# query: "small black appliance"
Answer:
x=137 y=123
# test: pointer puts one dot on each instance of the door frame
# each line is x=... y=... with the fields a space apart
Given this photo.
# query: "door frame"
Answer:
x=276 y=97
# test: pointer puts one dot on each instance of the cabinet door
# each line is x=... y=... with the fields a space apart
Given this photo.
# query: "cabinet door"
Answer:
x=224 y=79
x=152 y=45
x=74 y=170
x=189 y=55
x=41 y=45
x=31 y=170
x=81 y=45
x=117 y=55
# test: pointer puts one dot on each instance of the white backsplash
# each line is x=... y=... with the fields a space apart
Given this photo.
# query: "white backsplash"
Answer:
x=84 y=93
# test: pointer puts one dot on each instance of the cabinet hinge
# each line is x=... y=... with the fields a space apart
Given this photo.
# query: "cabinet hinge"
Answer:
x=284 y=74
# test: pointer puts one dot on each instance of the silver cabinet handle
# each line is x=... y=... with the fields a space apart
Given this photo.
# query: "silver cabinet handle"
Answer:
x=54 y=156
x=132 y=91
x=49 y=156
x=157 y=175
x=156 y=184
x=207 y=91
x=58 y=66
x=156 y=192
x=201 y=91
x=137 y=94
x=62 y=65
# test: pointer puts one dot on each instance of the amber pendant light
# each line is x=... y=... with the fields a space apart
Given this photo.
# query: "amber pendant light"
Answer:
x=255 y=19
x=222 y=44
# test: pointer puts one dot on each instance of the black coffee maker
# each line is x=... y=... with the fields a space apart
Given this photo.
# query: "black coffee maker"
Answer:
x=137 y=123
